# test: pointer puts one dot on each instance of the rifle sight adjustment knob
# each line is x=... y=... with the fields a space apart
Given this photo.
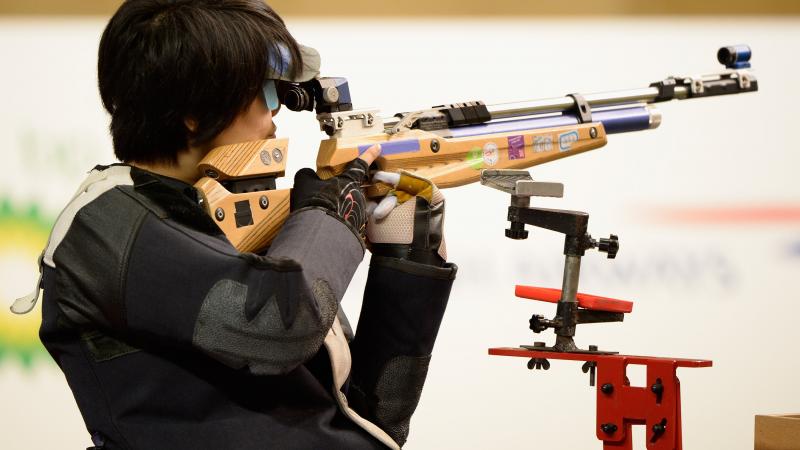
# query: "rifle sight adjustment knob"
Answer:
x=517 y=231
x=609 y=246
x=330 y=94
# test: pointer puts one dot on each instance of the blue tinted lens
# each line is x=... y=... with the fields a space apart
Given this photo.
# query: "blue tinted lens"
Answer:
x=271 y=95
x=279 y=62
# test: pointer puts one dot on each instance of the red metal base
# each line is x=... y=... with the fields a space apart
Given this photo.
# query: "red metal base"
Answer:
x=620 y=405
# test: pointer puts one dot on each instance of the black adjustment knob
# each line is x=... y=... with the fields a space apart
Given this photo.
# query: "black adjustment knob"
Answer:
x=607 y=388
x=590 y=366
x=658 y=430
x=517 y=231
x=539 y=364
x=609 y=246
x=657 y=388
x=608 y=428
x=537 y=324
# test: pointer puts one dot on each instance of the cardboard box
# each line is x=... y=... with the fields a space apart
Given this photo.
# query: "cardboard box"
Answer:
x=778 y=432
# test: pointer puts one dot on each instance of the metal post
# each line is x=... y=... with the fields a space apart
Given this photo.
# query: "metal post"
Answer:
x=572 y=272
x=567 y=309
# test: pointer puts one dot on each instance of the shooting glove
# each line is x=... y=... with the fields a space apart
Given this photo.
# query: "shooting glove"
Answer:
x=409 y=222
x=342 y=196
x=407 y=290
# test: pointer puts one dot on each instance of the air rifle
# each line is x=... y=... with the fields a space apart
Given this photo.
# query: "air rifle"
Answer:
x=449 y=144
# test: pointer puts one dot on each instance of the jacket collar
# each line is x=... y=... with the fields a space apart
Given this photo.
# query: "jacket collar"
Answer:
x=179 y=200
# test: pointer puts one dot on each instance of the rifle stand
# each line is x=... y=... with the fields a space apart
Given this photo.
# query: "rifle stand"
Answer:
x=620 y=405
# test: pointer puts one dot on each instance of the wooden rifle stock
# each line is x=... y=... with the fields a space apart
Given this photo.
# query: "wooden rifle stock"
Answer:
x=236 y=189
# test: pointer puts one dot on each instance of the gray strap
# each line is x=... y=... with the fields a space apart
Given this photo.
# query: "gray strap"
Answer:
x=341 y=362
x=24 y=305
x=97 y=183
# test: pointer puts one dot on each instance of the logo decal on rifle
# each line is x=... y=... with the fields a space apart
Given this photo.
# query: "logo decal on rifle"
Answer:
x=475 y=158
x=516 y=147
x=542 y=143
x=565 y=140
x=490 y=154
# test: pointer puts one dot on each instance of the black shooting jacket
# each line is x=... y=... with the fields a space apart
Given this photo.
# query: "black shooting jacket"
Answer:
x=171 y=339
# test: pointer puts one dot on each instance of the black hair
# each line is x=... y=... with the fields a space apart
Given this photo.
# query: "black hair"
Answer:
x=162 y=62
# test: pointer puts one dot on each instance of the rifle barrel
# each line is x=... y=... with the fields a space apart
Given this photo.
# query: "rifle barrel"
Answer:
x=614 y=120
x=635 y=98
x=563 y=104
x=464 y=119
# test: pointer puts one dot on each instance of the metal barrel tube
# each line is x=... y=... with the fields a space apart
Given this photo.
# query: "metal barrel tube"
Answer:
x=563 y=104
x=616 y=120
x=736 y=57
x=636 y=98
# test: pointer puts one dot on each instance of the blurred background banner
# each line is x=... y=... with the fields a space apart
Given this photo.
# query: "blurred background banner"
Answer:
x=707 y=206
x=449 y=8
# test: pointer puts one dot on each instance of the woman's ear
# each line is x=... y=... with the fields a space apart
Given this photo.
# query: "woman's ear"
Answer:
x=191 y=124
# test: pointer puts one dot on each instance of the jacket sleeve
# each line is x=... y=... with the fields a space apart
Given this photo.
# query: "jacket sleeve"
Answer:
x=163 y=281
x=404 y=303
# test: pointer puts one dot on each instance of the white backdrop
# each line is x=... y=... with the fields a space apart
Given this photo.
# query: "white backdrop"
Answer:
x=724 y=291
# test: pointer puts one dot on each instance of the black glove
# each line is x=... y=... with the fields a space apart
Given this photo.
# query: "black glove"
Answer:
x=341 y=195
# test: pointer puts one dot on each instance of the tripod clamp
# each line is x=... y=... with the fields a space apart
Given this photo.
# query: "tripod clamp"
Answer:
x=573 y=308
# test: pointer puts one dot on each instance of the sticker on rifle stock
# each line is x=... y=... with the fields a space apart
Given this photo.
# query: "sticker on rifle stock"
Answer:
x=393 y=147
x=490 y=154
x=516 y=147
x=565 y=140
x=475 y=158
x=542 y=143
